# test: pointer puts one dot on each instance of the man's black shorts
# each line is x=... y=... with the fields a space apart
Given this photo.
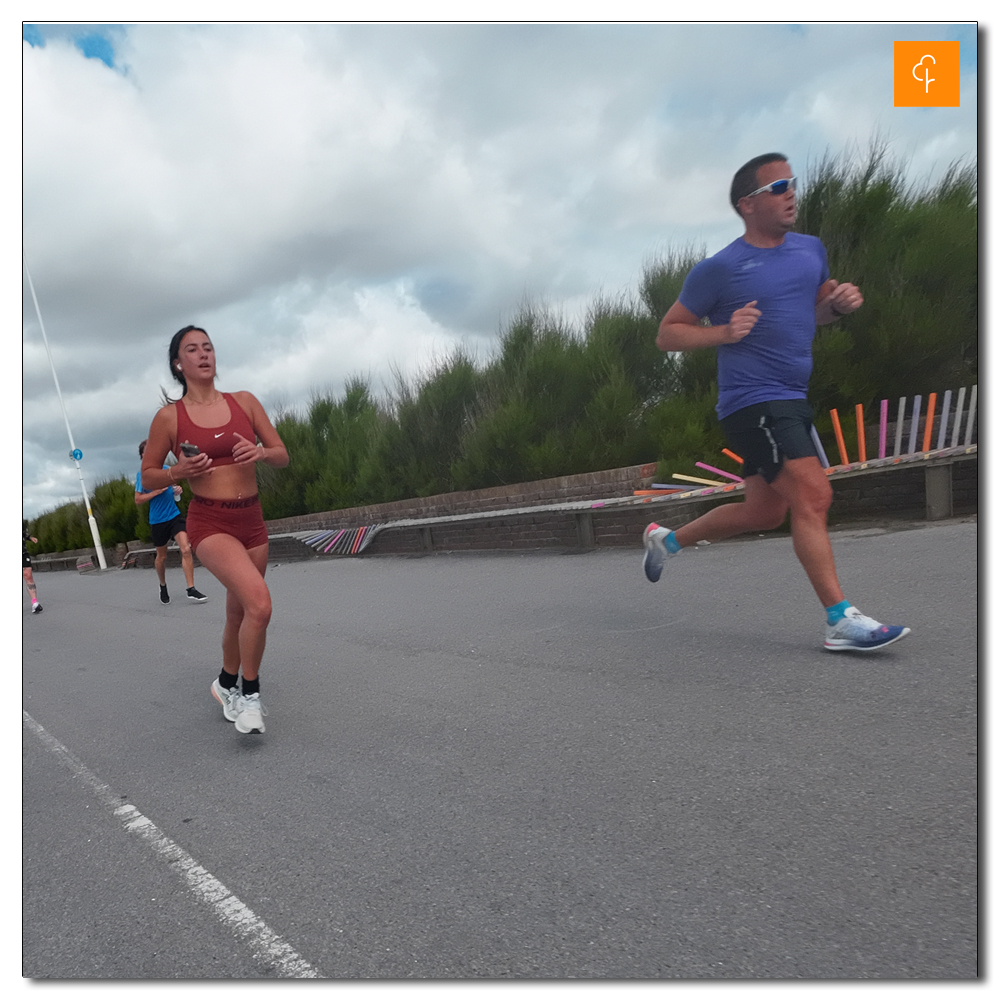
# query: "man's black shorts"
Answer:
x=163 y=531
x=765 y=434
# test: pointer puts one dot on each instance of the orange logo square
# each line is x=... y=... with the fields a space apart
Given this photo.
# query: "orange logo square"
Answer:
x=926 y=75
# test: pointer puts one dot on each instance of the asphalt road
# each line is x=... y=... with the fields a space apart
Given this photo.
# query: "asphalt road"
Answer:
x=529 y=766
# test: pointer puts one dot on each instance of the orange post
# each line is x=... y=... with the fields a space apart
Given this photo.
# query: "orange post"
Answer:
x=929 y=423
x=732 y=455
x=840 y=437
x=859 y=420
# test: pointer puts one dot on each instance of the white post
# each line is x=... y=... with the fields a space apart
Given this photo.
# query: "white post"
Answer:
x=914 y=425
x=971 y=417
x=900 y=417
x=823 y=460
x=73 y=451
x=944 y=419
x=958 y=417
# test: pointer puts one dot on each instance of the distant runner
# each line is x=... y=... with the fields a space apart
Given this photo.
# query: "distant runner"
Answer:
x=26 y=571
x=166 y=522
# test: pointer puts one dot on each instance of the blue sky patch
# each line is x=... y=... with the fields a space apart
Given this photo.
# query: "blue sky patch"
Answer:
x=94 y=43
x=95 y=46
x=31 y=35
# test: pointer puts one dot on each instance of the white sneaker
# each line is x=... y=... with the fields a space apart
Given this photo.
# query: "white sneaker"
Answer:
x=226 y=697
x=249 y=714
x=859 y=632
x=656 y=551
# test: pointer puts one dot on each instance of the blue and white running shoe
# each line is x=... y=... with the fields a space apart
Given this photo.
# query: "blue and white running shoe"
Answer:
x=859 y=632
x=656 y=551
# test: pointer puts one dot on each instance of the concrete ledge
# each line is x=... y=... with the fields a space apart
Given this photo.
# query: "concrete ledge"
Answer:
x=602 y=512
x=910 y=487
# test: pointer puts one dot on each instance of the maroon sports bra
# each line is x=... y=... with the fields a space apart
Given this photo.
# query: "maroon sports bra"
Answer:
x=216 y=442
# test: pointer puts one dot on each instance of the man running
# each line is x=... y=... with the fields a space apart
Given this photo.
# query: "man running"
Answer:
x=26 y=570
x=166 y=522
x=763 y=295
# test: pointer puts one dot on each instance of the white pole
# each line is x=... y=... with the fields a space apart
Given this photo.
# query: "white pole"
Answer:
x=73 y=452
x=971 y=417
x=958 y=417
x=823 y=460
x=901 y=416
x=914 y=424
x=944 y=419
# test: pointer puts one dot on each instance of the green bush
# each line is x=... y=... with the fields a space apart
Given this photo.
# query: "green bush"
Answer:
x=557 y=400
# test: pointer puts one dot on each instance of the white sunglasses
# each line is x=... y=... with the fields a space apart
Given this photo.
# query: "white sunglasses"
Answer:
x=775 y=187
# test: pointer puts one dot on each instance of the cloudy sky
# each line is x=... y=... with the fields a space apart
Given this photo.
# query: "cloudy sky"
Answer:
x=331 y=200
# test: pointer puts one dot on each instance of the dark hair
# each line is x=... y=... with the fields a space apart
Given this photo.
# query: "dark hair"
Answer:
x=142 y=446
x=173 y=353
x=745 y=179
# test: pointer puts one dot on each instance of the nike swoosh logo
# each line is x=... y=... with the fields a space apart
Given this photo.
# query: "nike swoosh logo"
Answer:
x=220 y=434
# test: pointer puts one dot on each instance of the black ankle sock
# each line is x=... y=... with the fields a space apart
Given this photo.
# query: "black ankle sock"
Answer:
x=228 y=681
x=251 y=687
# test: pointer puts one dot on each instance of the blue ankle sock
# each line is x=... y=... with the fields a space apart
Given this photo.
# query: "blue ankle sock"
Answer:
x=836 y=611
x=671 y=543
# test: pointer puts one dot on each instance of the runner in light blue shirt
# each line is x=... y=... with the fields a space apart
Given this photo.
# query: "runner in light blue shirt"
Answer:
x=165 y=523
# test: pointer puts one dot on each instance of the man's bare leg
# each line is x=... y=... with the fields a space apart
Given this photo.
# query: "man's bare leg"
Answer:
x=803 y=484
x=762 y=509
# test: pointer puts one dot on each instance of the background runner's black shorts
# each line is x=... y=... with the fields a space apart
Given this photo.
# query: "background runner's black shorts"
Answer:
x=163 y=531
x=765 y=434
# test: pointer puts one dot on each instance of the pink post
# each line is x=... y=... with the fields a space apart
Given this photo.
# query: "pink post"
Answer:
x=712 y=468
x=883 y=424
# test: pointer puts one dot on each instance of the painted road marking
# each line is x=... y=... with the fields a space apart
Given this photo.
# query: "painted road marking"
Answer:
x=266 y=946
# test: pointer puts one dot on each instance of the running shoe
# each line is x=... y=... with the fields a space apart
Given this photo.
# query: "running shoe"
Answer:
x=858 y=631
x=249 y=714
x=164 y=596
x=196 y=595
x=656 y=551
x=227 y=698
x=36 y=609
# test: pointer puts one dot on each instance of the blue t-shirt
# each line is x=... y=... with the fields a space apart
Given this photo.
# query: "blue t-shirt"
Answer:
x=774 y=360
x=162 y=507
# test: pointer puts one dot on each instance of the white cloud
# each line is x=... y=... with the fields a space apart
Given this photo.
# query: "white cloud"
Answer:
x=332 y=200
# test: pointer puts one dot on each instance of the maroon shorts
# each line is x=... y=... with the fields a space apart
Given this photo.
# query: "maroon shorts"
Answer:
x=240 y=518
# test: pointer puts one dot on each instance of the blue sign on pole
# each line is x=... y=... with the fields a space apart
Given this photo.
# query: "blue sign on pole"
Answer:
x=76 y=454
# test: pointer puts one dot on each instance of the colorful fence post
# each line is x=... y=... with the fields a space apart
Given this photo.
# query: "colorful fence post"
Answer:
x=900 y=417
x=839 y=435
x=971 y=417
x=958 y=417
x=736 y=458
x=945 y=406
x=929 y=421
x=698 y=479
x=859 y=422
x=712 y=468
x=823 y=460
x=883 y=423
x=914 y=424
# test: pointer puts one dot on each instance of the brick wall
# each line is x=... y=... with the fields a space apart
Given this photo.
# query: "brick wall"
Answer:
x=587 y=486
x=892 y=493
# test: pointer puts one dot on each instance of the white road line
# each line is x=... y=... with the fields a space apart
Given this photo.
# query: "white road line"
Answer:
x=266 y=946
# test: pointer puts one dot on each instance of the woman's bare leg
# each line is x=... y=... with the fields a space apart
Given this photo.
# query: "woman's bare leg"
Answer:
x=248 y=601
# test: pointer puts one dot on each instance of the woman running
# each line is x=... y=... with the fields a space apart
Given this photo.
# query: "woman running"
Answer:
x=229 y=434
